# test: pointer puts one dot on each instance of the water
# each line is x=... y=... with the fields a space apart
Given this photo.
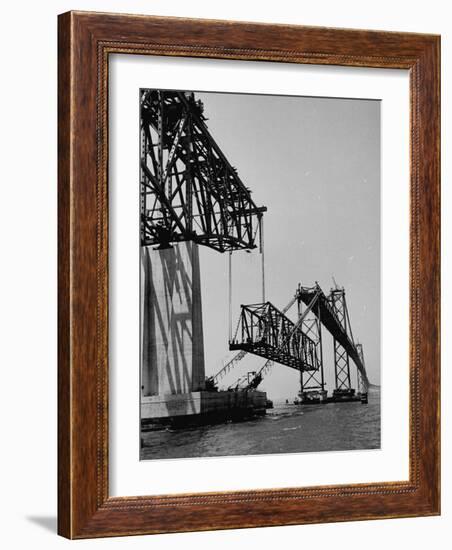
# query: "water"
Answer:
x=285 y=429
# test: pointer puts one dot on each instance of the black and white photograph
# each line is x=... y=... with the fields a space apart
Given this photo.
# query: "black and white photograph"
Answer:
x=259 y=250
x=223 y=321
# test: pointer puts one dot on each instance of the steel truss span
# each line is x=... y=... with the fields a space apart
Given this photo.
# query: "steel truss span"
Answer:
x=189 y=190
x=264 y=330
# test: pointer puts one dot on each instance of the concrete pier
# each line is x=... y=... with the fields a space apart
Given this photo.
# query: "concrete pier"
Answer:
x=171 y=320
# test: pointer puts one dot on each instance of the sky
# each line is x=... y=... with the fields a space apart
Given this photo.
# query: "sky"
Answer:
x=315 y=164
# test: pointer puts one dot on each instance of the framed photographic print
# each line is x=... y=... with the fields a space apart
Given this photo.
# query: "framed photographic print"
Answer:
x=248 y=275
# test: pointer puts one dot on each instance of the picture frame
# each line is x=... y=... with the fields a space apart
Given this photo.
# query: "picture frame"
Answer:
x=86 y=40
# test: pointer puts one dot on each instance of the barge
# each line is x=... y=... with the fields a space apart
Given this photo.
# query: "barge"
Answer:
x=339 y=396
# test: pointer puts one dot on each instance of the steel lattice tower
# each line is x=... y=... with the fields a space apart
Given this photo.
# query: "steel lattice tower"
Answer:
x=312 y=380
x=341 y=358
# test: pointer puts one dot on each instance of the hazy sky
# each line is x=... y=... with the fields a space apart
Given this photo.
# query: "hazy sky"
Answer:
x=315 y=164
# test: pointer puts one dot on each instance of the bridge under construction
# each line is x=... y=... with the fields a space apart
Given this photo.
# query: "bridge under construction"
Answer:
x=190 y=196
x=266 y=331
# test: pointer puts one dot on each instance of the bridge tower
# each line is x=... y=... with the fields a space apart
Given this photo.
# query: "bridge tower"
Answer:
x=312 y=381
x=341 y=357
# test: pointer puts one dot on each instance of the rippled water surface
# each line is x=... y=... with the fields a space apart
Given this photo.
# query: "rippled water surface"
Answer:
x=285 y=429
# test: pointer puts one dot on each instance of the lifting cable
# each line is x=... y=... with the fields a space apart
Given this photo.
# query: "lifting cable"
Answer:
x=260 y=228
x=230 y=297
x=261 y=250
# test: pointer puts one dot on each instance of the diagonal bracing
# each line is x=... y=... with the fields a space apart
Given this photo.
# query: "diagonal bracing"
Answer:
x=189 y=190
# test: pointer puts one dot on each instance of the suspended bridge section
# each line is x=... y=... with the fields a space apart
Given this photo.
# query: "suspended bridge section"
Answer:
x=266 y=331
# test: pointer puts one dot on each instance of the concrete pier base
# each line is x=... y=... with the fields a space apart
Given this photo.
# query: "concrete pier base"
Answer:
x=194 y=407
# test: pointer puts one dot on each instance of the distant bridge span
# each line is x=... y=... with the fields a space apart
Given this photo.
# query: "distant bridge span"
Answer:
x=333 y=313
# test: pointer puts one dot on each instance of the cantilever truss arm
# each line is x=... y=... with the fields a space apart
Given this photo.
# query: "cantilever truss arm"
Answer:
x=189 y=190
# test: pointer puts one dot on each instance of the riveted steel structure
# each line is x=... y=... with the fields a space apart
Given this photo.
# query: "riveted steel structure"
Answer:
x=312 y=380
x=232 y=363
x=341 y=357
x=333 y=313
x=264 y=330
x=189 y=190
